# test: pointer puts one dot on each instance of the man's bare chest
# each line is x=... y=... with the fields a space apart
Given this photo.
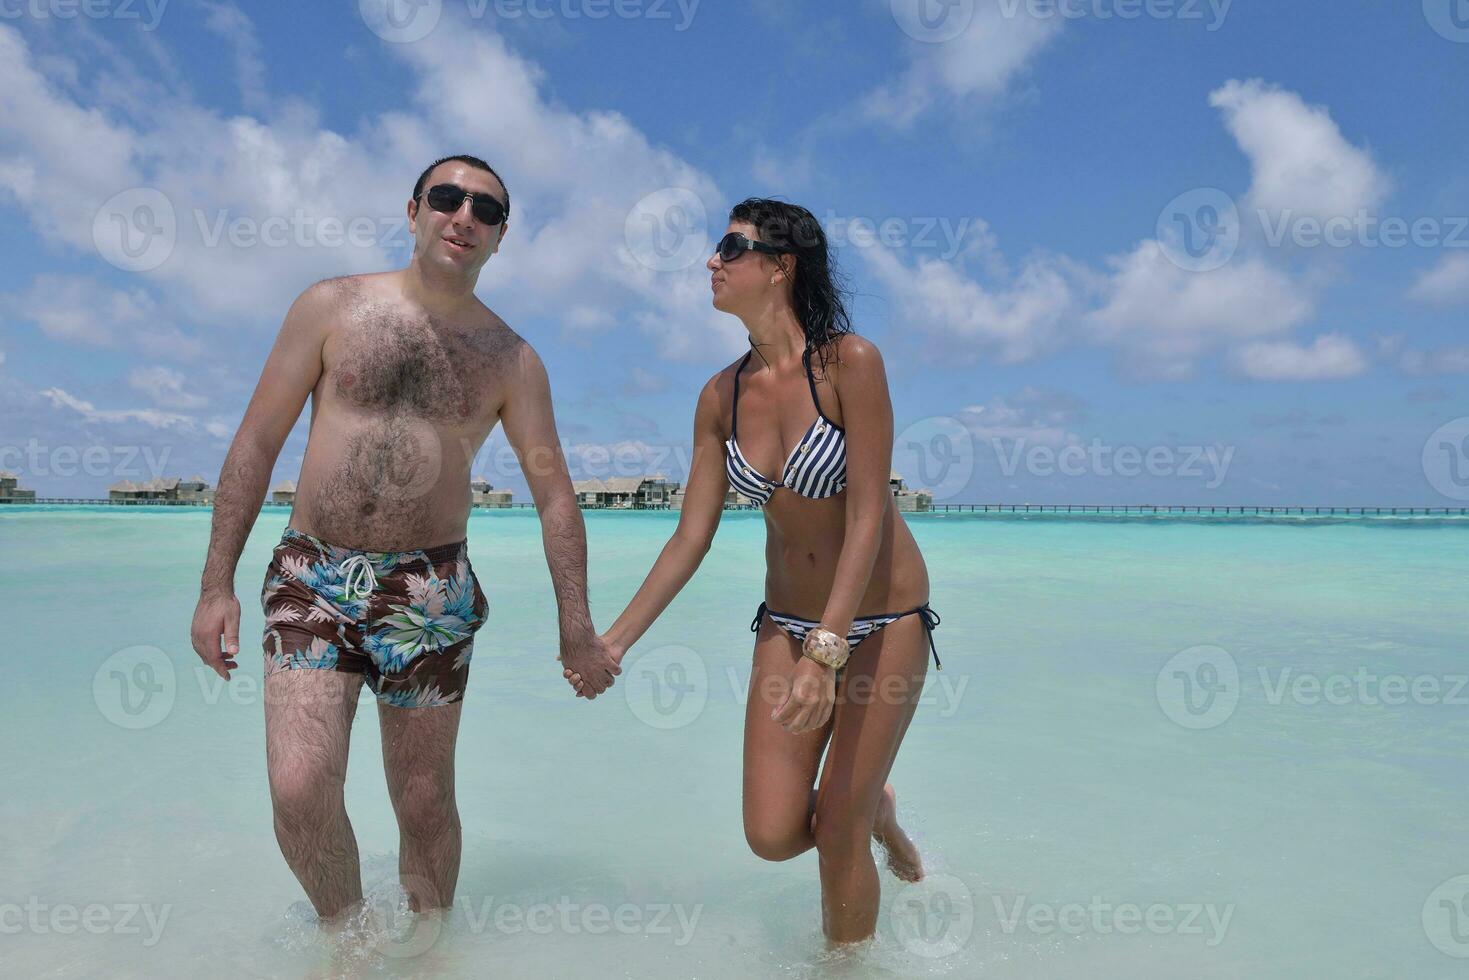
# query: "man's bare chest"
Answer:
x=385 y=362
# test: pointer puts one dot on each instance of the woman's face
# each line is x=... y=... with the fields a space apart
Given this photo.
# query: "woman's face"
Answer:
x=743 y=282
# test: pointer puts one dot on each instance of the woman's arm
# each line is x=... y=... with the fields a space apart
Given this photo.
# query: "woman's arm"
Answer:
x=703 y=505
x=867 y=415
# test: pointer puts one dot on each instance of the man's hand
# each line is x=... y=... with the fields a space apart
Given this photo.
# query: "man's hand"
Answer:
x=590 y=666
x=810 y=698
x=217 y=617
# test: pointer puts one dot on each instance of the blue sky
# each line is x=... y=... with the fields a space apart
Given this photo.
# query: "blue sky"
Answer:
x=1103 y=277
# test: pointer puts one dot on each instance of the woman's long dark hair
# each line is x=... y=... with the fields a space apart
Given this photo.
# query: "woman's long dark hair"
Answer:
x=818 y=293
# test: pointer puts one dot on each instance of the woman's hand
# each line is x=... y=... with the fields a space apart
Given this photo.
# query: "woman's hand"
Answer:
x=813 y=691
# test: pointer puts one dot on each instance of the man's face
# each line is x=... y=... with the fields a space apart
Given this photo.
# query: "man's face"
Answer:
x=456 y=242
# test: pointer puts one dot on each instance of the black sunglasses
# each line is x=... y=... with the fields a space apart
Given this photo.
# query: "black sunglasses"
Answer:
x=449 y=198
x=733 y=245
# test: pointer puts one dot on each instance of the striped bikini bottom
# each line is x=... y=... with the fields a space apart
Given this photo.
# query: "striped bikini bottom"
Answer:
x=862 y=626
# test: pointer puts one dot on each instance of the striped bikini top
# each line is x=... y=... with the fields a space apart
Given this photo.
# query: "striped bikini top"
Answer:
x=816 y=468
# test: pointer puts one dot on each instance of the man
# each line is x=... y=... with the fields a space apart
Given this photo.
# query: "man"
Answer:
x=408 y=373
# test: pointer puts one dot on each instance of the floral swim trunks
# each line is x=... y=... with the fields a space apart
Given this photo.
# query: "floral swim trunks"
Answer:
x=405 y=619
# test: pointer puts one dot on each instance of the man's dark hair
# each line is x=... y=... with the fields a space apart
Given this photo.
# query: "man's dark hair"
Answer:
x=475 y=162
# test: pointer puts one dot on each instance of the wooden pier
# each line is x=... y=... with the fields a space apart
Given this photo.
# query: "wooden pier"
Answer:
x=1147 y=510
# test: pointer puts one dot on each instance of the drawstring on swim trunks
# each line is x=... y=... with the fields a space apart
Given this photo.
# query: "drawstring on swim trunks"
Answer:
x=357 y=572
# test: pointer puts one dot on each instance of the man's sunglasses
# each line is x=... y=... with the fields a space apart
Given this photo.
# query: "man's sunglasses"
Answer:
x=733 y=245
x=449 y=199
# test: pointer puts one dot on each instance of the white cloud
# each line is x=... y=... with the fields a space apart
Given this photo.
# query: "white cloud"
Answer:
x=1299 y=159
x=164 y=387
x=84 y=311
x=574 y=178
x=1447 y=360
x=222 y=17
x=90 y=413
x=1019 y=321
x=976 y=66
x=1329 y=357
x=1033 y=415
x=1163 y=317
x=1446 y=284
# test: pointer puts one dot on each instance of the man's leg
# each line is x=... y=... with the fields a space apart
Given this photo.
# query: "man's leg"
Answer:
x=418 y=757
x=308 y=725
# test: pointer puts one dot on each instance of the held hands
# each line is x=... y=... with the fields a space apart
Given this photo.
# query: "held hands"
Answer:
x=590 y=665
x=811 y=692
x=216 y=617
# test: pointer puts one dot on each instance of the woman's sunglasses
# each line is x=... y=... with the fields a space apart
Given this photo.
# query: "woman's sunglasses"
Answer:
x=448 y=198
x=733 y=245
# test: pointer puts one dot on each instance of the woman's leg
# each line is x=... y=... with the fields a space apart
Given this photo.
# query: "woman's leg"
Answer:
x=875 y=702
x=780 y=768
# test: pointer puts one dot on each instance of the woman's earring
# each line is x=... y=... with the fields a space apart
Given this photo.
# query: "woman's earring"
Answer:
x=772 y=280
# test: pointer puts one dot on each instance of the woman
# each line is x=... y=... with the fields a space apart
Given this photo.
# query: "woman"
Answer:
x=839 y=561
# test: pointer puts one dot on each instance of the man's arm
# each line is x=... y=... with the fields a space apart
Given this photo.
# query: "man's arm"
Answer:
x=291 y=372
x=530 y=427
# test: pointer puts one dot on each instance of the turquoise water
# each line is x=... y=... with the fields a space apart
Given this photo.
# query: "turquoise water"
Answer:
x=1159 y=748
